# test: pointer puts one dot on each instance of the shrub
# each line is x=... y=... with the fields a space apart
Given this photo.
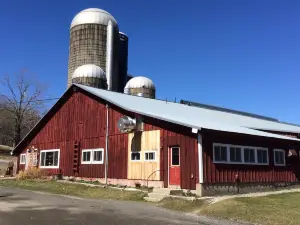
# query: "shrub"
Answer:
x=31 y=173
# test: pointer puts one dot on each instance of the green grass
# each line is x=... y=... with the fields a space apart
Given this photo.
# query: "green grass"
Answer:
x=281 y=209
x=181 y=205
x=278 y=209
x=73 y=189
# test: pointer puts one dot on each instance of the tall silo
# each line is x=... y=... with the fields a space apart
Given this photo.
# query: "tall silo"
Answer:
x=90 y=75
x=140 y=86
x=123 y=60
x=88 y=42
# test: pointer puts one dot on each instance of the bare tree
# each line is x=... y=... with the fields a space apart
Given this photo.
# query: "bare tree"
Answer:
x=22 y=106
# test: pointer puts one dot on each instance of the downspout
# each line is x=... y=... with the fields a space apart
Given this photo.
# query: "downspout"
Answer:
x=200 y=157
x=106 y=145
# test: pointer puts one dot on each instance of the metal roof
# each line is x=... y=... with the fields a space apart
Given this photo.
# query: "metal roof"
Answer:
x=181 y=114
x=93 y=15
x=197 y=104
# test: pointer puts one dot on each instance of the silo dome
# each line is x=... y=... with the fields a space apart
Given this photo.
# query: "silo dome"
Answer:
x=93 y=16
x=90 y=75
x=140 y=86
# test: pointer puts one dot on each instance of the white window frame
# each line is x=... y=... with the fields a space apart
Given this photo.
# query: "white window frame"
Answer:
x=256 y=160
x=98 y=150
x=21 y=162
x=279 y=150
x=133 y=160
x=242 y=154
x=220 y=145
x=150 y=160
x=58 y=159
x=92 y=156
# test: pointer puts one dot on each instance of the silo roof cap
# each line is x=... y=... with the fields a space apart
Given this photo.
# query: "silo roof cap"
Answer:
x=89 y=70
x=140 y=82
x=93 y=15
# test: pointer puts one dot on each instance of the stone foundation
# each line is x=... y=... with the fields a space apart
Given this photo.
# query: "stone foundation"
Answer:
x=243 y=188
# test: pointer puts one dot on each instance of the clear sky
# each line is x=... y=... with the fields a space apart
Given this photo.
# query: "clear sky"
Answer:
x=243 y=55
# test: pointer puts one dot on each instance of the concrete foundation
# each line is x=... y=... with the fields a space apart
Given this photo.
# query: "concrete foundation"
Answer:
x=129 y=183
x=244 y=188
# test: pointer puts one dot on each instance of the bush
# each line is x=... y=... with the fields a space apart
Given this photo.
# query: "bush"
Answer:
x=31 y=173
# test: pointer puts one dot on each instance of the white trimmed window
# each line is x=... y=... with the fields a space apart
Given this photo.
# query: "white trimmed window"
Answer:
x=23 y=159
x=249 y=155
x=135 y=156
x=49 y=158
x=235 y=154
x=150 y=156
x=279 y=157
x=220 y=153
x=98 y=155
x=262 y=156
x=92 y=156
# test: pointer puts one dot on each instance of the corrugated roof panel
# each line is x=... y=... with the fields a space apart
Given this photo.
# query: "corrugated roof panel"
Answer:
x=183 y=114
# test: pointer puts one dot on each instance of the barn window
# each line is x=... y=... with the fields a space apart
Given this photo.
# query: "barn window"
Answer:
x=98 y=156
x=86 y=156
x=23 y=159
x=49 y=158
x=175 y=156
x=249 y=155
x=135 y=156
x=262 y=156
x=220 y=153
x=235 y=154
x=279 y=157
x=149 y=156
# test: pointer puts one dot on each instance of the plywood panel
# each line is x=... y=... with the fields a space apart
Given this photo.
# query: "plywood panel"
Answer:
x=143 y=142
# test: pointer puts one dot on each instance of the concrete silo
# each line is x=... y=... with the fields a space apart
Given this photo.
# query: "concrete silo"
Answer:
x=123 y=60
x=140 y=86
x=89 y=43
x=90 y=75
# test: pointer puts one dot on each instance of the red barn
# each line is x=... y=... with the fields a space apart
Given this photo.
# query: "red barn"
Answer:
x=177 y=145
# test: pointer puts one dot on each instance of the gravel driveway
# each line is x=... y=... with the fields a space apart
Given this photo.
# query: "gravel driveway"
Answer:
x=33 y=208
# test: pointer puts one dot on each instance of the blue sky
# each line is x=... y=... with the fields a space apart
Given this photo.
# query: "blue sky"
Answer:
x=238 y=54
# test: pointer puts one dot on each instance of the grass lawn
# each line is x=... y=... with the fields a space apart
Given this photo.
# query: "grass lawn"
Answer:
x=283 y=209
x=74 y=189
x=273 y=209
x=181 y=205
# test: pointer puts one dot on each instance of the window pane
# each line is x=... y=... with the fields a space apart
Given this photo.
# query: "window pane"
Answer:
x=235 y=154
x=86 y=156
x=49 y=158
x=262 y=156
x=43 y=155
x=98 y=156
x=151 y=156
x=224 y=153
x=249 y=155
x=279 y=157
x=135 y=156
x=56 y=158
x=175 y=157
x=220 y=153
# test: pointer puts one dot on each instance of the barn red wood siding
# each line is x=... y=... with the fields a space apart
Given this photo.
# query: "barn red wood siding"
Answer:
x=83 y=117
x=215 y=173
x=176 y=135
